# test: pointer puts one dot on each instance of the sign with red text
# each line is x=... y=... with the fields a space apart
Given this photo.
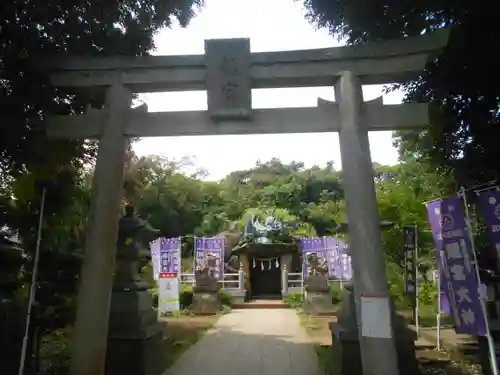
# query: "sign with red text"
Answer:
x=168 y=294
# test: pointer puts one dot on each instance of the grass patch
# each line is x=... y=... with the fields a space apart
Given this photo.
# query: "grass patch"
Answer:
x=184 y=331
x=181 y=332
x=325 y=358
x=427 y=318
x=54 y=352
x=294 y=300
x=318 y=329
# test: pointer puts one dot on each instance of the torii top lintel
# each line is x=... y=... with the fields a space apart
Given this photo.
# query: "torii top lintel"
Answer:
x=374 y=63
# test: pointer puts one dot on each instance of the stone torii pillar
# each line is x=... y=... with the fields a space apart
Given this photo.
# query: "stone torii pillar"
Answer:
x=91 y=329
x=378 y=351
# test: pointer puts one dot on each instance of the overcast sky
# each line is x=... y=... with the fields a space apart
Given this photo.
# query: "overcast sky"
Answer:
x=272 y=25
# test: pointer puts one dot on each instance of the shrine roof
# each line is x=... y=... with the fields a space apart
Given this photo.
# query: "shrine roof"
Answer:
x=271 y=249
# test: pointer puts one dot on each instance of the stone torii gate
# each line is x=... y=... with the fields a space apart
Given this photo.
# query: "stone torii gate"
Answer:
x=228 y=71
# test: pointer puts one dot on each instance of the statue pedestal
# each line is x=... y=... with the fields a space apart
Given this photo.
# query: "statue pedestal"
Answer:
x=238 y=297
x=318 y=303
x=205 y=301
x=346 y=346
x=318 y=298
x=135 y=339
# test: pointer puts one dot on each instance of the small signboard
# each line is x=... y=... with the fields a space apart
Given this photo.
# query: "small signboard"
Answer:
x=168 y=294
x=410 y=256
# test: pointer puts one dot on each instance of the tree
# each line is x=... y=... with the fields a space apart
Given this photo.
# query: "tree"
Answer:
x=401 y=198
x=30 y=30
x=288 y=186
x=33 y=29
x=462 y=85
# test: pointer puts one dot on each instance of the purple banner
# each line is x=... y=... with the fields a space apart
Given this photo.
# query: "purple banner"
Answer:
x=209 y=253
x=489 y=202
x=444 y=306
x=170 y=255
x=444 y=303
x=333 y=257
x=346 y=264
x=313 y=256
x=458 y=276
x=325 y=254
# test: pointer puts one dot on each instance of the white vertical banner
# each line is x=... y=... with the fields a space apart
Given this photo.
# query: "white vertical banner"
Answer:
x=168 y=294
x=154 y=249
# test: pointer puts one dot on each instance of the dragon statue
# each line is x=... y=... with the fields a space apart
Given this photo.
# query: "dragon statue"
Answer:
x=255 y=231
x=269 y=231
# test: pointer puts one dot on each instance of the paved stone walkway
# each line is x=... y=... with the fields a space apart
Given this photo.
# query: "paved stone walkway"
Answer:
x=251 y=342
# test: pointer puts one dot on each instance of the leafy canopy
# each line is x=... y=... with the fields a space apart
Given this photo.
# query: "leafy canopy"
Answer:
x=29 y=30
x=463 y=85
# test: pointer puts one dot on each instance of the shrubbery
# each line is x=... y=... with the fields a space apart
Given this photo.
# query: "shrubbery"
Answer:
x=12 y=325
x=336 y=292
x=427 y=292
x=186 y=297
x=296 y=300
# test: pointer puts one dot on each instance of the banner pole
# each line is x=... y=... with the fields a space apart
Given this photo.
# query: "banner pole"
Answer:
x=340 y=268
x=222 y=266
x=417 y=302
x=195 y=254
x=438 y=315
x=491 y=343
x=476 y=189
x=179 y=261
x=34 y=285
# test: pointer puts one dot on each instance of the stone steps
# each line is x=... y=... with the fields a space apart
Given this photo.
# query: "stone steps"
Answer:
x=262 y=304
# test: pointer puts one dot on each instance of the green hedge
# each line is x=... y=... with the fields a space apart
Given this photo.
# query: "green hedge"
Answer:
x=296 y=300
x=336 y=292
x=186 y=297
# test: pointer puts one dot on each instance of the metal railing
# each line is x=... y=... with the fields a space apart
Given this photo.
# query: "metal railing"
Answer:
x=295 y=280
x=230 y=280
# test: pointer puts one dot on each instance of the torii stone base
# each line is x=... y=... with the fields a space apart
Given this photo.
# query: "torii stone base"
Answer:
x=346 y=345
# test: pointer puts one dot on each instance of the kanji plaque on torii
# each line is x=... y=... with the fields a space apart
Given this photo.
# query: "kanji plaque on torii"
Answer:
x=228 y=71
x=229 y=90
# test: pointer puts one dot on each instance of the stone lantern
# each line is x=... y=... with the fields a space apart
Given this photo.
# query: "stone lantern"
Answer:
x=135 y=338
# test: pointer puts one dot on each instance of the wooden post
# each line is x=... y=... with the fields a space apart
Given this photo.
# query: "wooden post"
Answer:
x=241 y=279
x=284 y=281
